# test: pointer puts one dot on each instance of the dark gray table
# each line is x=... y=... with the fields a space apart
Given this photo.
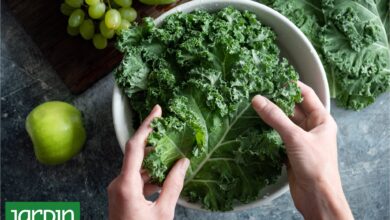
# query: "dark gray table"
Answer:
x=28 y=80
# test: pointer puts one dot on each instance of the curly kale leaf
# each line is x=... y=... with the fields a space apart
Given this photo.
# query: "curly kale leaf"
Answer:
x=355 y=44
x=305 y=14
x=203 y=69
x=352 y=38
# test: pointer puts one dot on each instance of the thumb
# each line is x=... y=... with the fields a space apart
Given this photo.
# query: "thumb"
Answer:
x=173 y=185
x=274 y=117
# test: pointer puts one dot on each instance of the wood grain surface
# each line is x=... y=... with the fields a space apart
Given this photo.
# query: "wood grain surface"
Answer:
x=75 y=60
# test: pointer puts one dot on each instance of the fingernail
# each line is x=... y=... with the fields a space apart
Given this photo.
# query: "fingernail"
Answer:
x=259 y=101
x=155 y=108
x=184 y=164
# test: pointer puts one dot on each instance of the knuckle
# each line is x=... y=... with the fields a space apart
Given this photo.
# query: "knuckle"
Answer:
x=174 y=188
x=130 y=145
x=319 y=117
x=293 y=137
x=176 y=182
x=122 y=191
x=111 y=187
x=118 y=190
x=332 y=123
x=332 y=120
x=177 y=186
x=309 y=91
x=270 y=110
x=318 y=177
x=318 y=114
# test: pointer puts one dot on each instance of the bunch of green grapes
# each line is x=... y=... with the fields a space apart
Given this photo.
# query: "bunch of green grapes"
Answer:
x=98 y=20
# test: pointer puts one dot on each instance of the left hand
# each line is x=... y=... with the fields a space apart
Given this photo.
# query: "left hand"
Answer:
x=126 y=193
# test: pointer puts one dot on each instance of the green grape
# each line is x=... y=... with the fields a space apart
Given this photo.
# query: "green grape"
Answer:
x=97 y=11
x=74 y=3
x=125 y=24
x=112 y=19
x=99 y=41
x=123 y=3
x=66 y=9
x=105 y=31
x=129 y=14
x=87 y=29
x=73 y=31
x=76 y=18
x=92 y=2
x=114 y=5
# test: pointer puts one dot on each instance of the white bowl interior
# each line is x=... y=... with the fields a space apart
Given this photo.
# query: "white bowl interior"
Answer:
x=294 y=46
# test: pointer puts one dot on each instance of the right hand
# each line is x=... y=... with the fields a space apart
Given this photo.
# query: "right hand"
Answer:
x=311 y=146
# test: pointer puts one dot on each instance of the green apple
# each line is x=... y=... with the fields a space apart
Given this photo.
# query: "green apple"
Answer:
x=157 y=2
x=57 y=132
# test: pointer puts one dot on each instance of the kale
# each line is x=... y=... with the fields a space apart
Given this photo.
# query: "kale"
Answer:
x=203 y=69
x=352 y=37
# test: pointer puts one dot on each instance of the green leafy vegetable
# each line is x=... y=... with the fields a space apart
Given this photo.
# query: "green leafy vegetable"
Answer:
x=352 y=37
x=203 y=69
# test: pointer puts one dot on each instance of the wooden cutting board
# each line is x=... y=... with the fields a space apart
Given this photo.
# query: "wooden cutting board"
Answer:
x=75 y=60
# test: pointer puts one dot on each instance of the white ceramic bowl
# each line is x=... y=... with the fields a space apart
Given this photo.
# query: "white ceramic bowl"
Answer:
x=294 y=46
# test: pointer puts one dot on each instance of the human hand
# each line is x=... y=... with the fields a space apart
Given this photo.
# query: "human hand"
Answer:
x=311 y=146
x=126 y=193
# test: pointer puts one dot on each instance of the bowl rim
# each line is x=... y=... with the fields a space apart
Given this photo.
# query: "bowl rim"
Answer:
x=191 y=6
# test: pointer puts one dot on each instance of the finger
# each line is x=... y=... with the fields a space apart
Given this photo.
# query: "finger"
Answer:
x=173 y=185
x=148 y=150
x=274 y=116
x=144 y=173
x=149 y=189
x=144 y=129
x=145 y=176
x=311 y=102
x=135 y=147
x=299 y=116
x=288 y=165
